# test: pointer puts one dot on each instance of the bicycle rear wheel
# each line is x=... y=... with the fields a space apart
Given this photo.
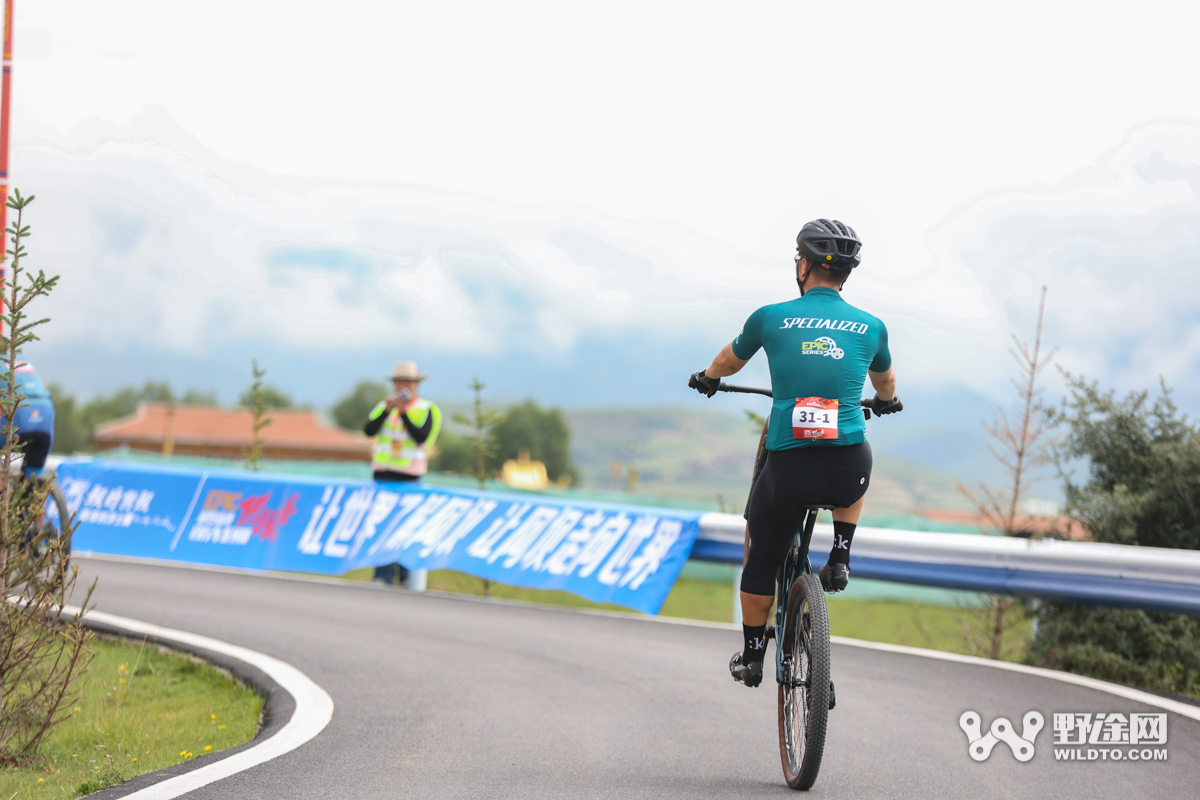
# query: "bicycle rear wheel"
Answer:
x=61 y=527
x=45 y=548
x=47 y=536
x=804 y=697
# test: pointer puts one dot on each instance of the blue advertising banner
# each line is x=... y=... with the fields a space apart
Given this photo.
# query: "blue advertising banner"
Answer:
x=625 y=555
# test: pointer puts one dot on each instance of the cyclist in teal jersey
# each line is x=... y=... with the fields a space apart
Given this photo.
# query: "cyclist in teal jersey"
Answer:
x=820 y=350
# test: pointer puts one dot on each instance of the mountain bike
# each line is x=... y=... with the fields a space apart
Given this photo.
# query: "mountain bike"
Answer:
x=801 y=634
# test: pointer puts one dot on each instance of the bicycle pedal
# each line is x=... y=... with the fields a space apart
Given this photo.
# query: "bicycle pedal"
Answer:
x=834 y=577
x=747 y=674
x=832 y=696
x=770 y=633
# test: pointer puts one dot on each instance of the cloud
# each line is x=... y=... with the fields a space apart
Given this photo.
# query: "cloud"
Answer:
x=170 y=253
x=152 y=248
x=1117 y=245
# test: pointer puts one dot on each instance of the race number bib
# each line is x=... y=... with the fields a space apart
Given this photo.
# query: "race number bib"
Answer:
x=815 y=418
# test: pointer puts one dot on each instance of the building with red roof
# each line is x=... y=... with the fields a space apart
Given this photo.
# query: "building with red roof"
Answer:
x=228 y=433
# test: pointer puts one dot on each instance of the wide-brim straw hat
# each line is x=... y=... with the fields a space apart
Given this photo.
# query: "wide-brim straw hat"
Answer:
x=406 y=371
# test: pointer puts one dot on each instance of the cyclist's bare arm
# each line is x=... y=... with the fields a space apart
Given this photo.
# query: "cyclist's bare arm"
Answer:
x=884 y=382
x=726 y=363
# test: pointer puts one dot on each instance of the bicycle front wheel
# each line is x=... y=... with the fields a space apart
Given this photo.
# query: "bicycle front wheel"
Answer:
x=804 y=695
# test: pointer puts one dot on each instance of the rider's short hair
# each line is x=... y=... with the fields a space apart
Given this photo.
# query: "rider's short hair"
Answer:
x=830 y=274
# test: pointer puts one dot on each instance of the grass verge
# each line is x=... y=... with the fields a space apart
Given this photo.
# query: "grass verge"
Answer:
x=917 y=625
x=691 y=599
x=895 y=622
x=143 y=708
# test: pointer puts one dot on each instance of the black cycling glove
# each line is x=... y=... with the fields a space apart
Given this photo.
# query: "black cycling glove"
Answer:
x=703 y=384
x=882 y=407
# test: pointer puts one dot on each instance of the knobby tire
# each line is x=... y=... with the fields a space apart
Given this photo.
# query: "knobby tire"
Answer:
x=64 y=515
x=804 y=710
x=36 y=539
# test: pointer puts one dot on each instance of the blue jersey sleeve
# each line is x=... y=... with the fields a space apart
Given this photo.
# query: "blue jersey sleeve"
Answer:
x=883 y=357
x=750 y=339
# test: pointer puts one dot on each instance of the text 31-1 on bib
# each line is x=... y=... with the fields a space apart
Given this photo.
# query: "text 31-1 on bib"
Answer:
x=815 y=418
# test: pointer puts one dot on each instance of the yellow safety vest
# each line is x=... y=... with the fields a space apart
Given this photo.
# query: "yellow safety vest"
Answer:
x=395 y=450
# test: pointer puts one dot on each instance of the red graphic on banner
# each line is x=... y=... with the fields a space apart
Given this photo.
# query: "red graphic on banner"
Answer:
x=266 y=522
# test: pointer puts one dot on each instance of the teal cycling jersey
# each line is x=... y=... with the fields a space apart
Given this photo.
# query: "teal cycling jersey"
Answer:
x=819 y=349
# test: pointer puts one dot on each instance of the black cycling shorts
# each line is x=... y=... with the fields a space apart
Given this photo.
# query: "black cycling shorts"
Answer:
x=790 y=481
x=37 y=447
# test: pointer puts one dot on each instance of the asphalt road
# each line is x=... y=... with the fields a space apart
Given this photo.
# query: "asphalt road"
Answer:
x=445 y=697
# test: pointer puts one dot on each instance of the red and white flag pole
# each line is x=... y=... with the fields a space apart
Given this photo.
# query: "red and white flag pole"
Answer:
x=5 y=121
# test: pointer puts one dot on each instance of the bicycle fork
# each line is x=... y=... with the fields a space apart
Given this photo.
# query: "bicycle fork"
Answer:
x=795 y=564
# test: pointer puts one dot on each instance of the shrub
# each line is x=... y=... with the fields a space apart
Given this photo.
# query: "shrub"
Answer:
x=42 y=651
x=1142 y=487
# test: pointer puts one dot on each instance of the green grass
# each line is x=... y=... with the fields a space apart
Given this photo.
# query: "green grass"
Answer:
x=143 y=708
x=917 y=625
x=692 y=599
x=698 y=599
x=896 y=622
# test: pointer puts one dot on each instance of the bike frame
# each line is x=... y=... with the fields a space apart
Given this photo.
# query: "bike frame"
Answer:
x=795 y=564
x=794 y=744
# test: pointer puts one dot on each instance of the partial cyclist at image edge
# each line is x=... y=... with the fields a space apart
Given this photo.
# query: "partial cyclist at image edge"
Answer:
x=820 y=350
x=34 y=428
x=34 y=420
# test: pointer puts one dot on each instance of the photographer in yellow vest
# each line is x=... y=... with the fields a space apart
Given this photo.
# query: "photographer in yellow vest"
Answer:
x=407 y=427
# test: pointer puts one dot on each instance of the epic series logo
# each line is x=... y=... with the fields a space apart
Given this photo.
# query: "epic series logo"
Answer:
x=823 y=346
x=228 y=518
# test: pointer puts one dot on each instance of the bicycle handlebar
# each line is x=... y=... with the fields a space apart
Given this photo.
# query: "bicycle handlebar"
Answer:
x=729 y=387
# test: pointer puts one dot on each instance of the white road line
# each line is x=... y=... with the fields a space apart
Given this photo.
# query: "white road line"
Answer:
x=314 y=707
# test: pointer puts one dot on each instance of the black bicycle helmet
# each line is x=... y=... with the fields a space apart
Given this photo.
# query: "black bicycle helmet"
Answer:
x=829 y=243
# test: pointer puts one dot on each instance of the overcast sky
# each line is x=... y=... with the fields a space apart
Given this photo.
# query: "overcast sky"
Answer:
x=978 y=149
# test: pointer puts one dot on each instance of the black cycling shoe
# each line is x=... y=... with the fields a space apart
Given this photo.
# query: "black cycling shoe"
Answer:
x=749 y=674
x=835 y=576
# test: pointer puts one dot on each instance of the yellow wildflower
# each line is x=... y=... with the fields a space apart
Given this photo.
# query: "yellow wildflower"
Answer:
x=208 y=747
x=122 y=680
x=41 y=780
x=78 y=708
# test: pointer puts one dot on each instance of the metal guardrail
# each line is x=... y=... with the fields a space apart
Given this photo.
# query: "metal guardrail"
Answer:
x=1150 y=578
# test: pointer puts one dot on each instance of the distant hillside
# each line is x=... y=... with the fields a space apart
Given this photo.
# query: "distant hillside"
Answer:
x=705 y=454
x=679 y=452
